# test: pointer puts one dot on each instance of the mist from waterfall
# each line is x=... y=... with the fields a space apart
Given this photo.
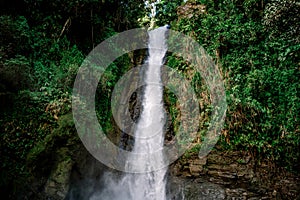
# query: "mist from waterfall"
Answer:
x=147 y=153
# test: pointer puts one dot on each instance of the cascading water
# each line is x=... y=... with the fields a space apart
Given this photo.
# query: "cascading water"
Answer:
x=147 y=156
x=149 y=134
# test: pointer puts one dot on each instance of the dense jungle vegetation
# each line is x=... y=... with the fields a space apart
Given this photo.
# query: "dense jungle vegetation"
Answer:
x=256 y=44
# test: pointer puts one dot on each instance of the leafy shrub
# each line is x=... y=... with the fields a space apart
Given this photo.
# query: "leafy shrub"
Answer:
x=255 y=46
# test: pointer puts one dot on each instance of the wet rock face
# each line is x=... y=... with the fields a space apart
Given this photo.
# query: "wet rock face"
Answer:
x=84 y=178
x=218 y=165
x=197 y=189
x=202 y=188
x=203 y=191
x=57 y=185
x=237 y=175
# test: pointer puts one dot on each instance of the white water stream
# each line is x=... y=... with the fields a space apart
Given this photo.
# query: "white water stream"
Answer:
x=149 y=136
x=147 y=153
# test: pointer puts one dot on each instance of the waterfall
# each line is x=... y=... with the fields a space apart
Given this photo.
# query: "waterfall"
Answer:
x=149 y=136
x=146 y=156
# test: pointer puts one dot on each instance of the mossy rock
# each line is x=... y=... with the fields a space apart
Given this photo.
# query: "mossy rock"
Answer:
x=58 y=183
x=57 y=146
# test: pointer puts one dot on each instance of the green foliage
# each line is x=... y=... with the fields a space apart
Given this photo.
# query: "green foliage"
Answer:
x=103 y=96
x=282 y=20
x=260 y=63
x=41 y=49
x=167 y=12
x=14 y=36
x=64 y=133
x=14 y=63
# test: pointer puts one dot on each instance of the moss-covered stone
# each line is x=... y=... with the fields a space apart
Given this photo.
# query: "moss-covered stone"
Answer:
x=57 y=185
x=51 y=159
